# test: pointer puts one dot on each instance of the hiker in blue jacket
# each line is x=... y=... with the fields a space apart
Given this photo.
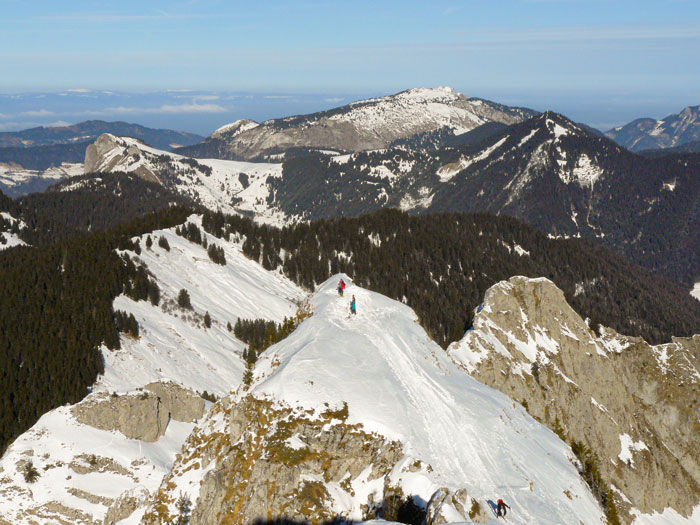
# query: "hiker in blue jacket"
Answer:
x=353 y=307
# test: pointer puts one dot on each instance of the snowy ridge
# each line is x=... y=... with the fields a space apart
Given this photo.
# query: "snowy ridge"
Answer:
x=231 y=186
x=399 y=384
x=401 y=111
x=671 y=131
x=234 y=128
x=364 y=125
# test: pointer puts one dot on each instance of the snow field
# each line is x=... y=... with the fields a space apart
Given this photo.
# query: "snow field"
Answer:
x=55 y=443
x=175 y=344
x=401 y=385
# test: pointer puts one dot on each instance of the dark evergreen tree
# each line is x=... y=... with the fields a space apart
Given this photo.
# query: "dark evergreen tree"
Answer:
x=183 y=299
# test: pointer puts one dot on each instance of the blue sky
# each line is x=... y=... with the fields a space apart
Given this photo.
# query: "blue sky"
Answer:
x=600 y=62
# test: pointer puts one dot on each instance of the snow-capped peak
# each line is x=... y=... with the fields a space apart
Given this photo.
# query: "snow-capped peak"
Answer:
x=234 y=128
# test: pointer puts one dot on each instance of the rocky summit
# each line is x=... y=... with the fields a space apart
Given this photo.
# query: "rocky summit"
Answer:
x=634 y=405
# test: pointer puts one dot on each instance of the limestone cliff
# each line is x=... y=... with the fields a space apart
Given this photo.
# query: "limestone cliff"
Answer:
x=633 y=404
x=144 y=415
x=251 y=461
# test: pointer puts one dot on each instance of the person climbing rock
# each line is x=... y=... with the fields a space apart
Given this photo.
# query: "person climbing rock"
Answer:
x=353 y=306
x=501 y=508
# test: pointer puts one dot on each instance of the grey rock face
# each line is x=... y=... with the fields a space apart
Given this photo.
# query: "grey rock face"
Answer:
x=99 y=157
x=182 y=404
x=142 y=416
x=265 y=462
x=633 y=404
x=445 y=500
x=125 y=505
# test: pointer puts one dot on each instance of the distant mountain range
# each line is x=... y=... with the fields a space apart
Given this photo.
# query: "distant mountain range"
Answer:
x=548 y=171
x=363 y=125
x=669 y=132
x=34 y=159
x=91 y=129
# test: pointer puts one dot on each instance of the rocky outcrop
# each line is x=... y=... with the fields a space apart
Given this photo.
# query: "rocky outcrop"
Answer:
x=633 y=404
x=181 y=403
x=144 y=415
x=104 y=155
x=257 y=461
x=443 y=504
x=125 y=505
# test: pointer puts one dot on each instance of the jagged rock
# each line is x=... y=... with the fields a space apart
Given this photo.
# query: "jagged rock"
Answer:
x=125 y=505
x=633 y=404
x=182 y=403
x=143 y=415
x=274 y=462
x=99 y=156
x=446 y=506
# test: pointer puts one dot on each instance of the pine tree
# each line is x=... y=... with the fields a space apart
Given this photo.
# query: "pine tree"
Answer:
x=183 y=299
x=163 y=243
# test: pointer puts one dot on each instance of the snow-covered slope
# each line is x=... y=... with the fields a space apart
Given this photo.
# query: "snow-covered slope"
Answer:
x=232 y=186
x=175 y=345
x=16 y=181
x=83 y=470
x=8 y=233
x=398 y=384
x=360 y=126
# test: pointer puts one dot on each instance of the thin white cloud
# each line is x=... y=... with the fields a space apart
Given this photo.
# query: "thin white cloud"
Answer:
x=170 y=109
x=79 y=90
x=16 y=126
x=333 y=99
x=584 y=33
x=57 y=124
x=115 y=17
x=37 y=113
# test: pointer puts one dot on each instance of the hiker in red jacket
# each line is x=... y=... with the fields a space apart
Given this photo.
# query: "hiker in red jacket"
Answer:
x=501 y=508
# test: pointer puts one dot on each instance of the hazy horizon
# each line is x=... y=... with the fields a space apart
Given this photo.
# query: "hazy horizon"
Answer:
x=598 y=62
x=202 y=111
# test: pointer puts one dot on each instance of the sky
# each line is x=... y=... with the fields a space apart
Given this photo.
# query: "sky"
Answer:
x=599 y=62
